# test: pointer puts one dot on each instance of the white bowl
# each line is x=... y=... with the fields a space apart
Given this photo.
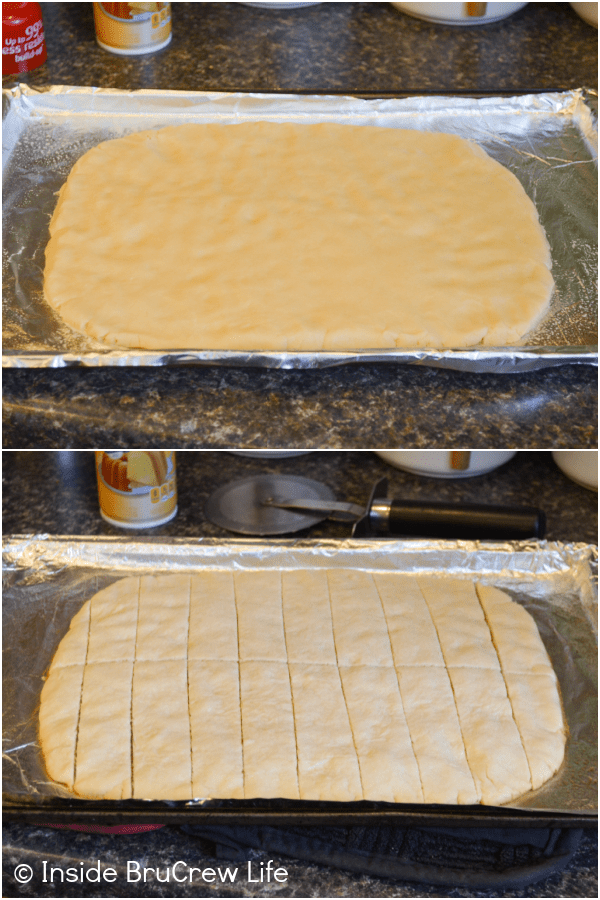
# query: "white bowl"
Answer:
x=447 y=463
x=458 y=13
x=580 y=466
x=588 y=12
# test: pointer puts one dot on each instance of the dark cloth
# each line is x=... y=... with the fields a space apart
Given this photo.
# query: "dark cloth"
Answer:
x=482 y=858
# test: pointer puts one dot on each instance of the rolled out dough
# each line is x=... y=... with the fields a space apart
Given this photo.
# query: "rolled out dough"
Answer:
x=447 y=696
x=302 y=237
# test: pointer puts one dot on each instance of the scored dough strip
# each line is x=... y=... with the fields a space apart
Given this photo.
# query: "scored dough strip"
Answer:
x=387 y=624
x=131 y=689
x=506 y=685
x=81 y=699
x=266 y=707
x=187 y=681
x=162 y=756
x=343 y=692
x=60 y=715
x=214 y=686
x=291 y=687
x=239 y=670
x=532 y=722
x=421 y=675
x=451 y=688
x=487 y=720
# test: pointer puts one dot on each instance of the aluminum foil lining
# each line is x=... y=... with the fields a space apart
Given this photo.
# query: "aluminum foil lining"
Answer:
x=549 y=141
x=46 y=581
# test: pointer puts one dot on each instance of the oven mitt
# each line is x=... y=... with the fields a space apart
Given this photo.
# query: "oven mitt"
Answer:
x=482 y=858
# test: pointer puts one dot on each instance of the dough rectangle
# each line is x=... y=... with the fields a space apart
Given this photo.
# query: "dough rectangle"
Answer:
x=465 y=638
x=113 y=622
x=215 y=723
x=307 y=617
x=163 y=625
x=412 y=633
x=538 y=713
x=260 y=615
x=104 y=735
x=72 y=650
x=268 y=739
x=514 y=632
x=436 y=735
x=493 y=745
x=213 y=618
x=162 y=768
x=388 y=766
x=359 y=626
x=327 y=762
x=59 y=715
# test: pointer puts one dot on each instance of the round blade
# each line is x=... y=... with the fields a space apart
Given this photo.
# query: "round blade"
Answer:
x=239 y=506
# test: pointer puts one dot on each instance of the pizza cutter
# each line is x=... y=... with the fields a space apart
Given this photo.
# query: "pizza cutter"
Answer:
x=282 y=504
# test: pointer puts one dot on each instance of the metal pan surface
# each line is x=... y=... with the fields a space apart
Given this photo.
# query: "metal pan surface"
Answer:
x=549 y=141
x=47 y=579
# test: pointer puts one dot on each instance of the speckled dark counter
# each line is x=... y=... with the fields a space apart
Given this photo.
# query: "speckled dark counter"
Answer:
x=349 y=406
x=56 y=493
x=329 y=47
x=362 y=48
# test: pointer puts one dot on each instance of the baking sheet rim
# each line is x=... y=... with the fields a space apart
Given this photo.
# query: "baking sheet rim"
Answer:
x=490 y=360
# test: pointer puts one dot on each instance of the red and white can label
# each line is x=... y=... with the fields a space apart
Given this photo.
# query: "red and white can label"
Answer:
x=136 y=488
x=23 y=44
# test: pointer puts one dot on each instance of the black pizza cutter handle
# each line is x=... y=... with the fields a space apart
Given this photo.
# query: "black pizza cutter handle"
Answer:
x=440 y=520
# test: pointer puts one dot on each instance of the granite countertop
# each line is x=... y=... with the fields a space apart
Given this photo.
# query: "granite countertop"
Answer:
x=348 y=48
x=56 y=493
x=328 y=47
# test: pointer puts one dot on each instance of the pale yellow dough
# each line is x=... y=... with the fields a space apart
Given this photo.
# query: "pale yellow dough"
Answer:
x=270 y=236
x=325 y=684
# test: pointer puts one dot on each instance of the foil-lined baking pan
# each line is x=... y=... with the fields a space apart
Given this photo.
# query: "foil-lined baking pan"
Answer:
x=548 y=140
x=47 y=579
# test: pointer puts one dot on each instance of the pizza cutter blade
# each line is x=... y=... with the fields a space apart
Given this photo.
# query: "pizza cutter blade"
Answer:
x=245 y=506
x=282 y=504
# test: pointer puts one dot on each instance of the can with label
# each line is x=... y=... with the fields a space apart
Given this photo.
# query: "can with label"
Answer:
x=23 y=44
x=132 y=28
x=136 y=488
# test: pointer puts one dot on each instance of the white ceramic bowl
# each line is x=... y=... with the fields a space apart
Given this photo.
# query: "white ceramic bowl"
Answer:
x=458 y=13
x=588 y=12
x=447 y=463
x=580 y=466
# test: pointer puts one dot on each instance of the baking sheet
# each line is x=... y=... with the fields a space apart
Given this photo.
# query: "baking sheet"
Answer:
x=46 y=580
x=549 y=141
